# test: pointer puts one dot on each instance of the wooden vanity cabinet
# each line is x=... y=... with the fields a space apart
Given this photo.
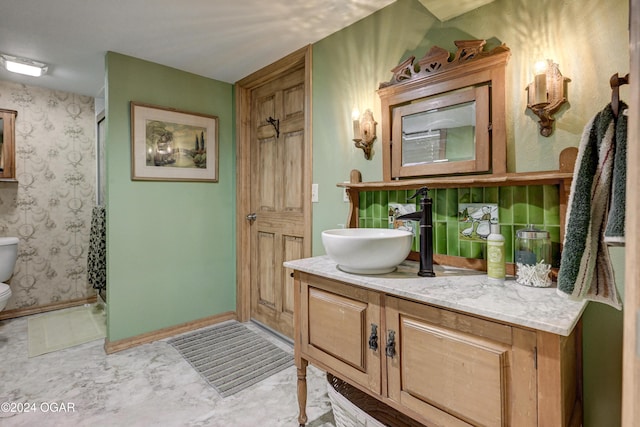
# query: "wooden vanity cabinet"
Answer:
x=440 y=367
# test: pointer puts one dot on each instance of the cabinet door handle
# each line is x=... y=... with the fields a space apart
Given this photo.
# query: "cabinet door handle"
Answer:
x=373 y=338
x=390 y=350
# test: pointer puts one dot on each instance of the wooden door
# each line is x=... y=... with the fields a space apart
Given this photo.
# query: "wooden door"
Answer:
x=278 y=194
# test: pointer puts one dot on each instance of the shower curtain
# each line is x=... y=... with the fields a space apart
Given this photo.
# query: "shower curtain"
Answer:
x=97 y=255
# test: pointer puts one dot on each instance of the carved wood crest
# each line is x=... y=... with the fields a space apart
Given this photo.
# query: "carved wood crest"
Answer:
x=437 y=60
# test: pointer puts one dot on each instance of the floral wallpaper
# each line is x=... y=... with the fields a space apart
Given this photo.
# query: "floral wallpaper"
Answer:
x=49 y=209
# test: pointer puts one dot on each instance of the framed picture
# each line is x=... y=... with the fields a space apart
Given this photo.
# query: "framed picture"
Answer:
x=172 y=145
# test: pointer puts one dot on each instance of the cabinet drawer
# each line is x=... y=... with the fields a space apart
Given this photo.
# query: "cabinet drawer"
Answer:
x=336 y=327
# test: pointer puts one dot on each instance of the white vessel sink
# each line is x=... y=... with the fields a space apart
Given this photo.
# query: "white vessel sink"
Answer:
x=367 y=250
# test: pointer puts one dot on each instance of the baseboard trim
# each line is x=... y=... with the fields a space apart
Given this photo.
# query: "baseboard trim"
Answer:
x=273 y=332
x=126 y=343
x=28 y=311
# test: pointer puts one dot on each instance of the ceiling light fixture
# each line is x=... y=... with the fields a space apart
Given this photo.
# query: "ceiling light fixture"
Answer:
x=25 y=66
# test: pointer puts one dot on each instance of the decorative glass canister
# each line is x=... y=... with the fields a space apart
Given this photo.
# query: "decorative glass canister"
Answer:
x=533 y=257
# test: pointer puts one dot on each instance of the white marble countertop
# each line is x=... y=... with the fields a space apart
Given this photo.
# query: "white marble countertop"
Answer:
x=467 y=291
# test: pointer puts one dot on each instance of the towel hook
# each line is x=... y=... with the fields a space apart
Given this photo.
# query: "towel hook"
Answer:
x=616 y=81
x=276 y=125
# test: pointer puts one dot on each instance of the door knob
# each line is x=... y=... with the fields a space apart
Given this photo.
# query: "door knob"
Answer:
x=251 y=217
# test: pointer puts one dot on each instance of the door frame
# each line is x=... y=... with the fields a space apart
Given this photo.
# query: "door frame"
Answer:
x=631 y=337
x=243 y=90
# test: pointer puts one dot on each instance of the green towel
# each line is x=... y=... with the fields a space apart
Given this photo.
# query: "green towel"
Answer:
x=585 y=268
x=614 y=232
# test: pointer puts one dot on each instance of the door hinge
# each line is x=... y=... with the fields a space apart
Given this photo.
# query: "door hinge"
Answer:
x=535 y=357
x=490 y=127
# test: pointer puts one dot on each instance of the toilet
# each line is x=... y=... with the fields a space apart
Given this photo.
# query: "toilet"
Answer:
x=8 y=256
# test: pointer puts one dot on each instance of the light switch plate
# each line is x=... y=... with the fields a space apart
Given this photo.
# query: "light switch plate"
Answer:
x=314 y=193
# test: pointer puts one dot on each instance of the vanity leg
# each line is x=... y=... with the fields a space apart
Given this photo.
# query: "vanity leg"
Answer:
x=302 y=392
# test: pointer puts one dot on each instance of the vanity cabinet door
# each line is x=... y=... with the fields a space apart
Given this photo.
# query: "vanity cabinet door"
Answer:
x=457 y=370
x=336 y=329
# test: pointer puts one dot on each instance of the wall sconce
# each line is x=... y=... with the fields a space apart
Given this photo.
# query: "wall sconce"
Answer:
x=25 y=66
x=545 y=94
x=364 y=131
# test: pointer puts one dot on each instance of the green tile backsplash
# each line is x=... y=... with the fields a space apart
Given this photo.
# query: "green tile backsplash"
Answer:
x=517 y=207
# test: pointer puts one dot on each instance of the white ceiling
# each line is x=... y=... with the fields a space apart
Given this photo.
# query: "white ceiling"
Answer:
x=224 y=40
x=447 y=9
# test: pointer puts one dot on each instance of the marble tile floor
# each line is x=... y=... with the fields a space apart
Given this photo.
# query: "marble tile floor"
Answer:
x=148 y=385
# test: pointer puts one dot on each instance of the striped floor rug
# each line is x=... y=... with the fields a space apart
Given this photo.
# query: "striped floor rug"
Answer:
x=231 y=357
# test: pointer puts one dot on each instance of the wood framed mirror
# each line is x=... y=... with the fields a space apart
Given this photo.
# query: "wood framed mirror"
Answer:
x=7 y=144
x=442 y=135
x=446 y=117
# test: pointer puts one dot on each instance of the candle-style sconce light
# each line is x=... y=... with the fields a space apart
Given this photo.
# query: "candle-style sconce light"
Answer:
x=546 y=94
x=364 y=131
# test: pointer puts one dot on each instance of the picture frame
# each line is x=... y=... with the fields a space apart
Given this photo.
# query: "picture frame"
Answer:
x=172 y=145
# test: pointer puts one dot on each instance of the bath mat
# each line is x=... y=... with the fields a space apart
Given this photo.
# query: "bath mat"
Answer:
x=231 y=357
x=65 y=328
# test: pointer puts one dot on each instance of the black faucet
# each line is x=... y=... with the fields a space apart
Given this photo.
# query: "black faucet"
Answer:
x=425 y=216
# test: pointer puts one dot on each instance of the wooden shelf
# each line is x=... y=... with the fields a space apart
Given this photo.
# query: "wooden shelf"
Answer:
x=561 y=177
x=523 y=178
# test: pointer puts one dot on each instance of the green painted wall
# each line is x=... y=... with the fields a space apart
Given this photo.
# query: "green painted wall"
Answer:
x=587 y=38
x=170 y=245
x=581 y=36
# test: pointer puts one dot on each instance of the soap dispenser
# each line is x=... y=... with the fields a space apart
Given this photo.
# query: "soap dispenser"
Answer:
x=495 y=255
